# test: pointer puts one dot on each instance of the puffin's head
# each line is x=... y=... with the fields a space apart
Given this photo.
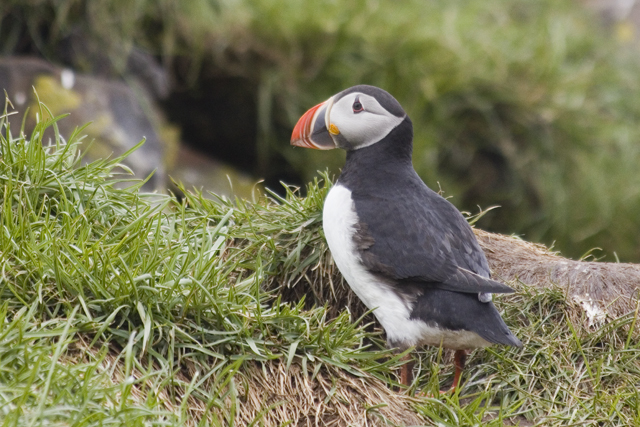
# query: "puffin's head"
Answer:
x=354 y=118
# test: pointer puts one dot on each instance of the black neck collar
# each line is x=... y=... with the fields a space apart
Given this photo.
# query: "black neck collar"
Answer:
x=392 y=152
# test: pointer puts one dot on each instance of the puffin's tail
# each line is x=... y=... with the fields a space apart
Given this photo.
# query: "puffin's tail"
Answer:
x=492 y=328
x=464 y=311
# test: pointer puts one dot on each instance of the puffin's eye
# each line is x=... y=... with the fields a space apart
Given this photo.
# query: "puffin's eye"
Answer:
x=357 y=106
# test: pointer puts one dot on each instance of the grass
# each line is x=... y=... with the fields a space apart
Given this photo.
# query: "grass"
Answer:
x=120 y=308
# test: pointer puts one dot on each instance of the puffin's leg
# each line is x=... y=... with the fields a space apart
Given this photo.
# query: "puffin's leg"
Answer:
x=406 y=371
x=459 y=359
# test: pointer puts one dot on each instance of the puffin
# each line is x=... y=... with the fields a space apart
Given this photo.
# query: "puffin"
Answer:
x=406 y=252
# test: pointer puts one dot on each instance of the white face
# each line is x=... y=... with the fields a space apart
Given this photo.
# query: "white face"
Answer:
x=360 y=120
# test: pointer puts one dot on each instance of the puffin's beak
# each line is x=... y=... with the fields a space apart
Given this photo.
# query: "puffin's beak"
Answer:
x=311 y=130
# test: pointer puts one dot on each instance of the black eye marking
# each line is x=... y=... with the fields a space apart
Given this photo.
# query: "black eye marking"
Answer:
x=357 y=106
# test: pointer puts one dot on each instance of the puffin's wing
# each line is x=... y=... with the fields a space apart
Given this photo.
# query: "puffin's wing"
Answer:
x=463 y=280
x=425 y=241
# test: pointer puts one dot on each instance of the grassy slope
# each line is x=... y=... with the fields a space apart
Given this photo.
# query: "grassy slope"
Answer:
x=123 y=309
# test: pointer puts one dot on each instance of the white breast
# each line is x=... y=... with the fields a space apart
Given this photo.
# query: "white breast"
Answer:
x=339 y=222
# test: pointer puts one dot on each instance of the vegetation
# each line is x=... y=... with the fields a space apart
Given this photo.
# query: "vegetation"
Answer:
x=528 y=105
x=132 y=309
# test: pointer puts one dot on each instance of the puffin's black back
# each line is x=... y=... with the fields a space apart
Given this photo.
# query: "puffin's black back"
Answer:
x=418 y=233
x=412 y=236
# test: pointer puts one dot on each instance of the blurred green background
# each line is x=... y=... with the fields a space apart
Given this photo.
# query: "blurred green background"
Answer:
x=530 y=105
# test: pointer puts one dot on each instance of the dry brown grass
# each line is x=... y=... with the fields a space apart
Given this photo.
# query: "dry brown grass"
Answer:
x=268 y=392
x=330 y=398
x=602 y=289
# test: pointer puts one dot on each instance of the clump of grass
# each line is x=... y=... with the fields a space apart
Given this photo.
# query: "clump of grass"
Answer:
x=133 y=309
x=171 y=291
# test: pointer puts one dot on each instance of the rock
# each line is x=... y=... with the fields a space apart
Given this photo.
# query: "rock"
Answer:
x=121 y=114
